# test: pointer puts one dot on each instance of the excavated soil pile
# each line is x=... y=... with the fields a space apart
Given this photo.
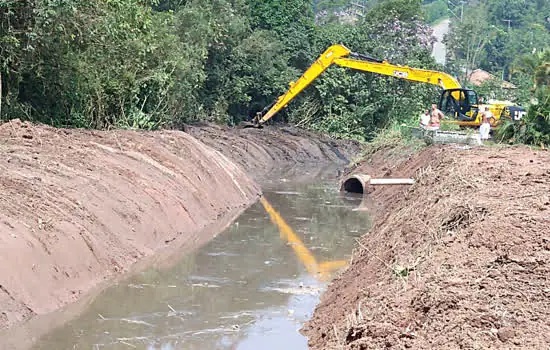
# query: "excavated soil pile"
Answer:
x=78 y=206
x=459 y=260
x=261 y=152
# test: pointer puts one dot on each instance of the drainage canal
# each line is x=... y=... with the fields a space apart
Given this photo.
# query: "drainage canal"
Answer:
x=252 y=287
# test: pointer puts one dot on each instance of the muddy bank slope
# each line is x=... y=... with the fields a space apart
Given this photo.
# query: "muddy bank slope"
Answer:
x=262 y=152
x=79 y=206
x=459 y=260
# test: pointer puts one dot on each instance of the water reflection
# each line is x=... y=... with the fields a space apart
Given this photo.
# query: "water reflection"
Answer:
x=246 y=289
x=321 y=271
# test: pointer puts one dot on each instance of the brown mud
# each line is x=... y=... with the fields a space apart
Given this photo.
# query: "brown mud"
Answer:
x=459 y=260
x=79 y=207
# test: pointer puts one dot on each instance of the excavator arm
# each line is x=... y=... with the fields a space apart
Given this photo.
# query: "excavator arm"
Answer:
x=340 y=56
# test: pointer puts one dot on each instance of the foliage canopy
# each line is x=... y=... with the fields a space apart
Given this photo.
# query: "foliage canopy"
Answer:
x=161 y=63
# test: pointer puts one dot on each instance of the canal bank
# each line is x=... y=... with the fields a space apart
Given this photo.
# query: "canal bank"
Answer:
x=82 y=208
x=458 y=260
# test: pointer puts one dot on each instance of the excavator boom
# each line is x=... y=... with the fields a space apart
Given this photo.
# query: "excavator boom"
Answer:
x=441 y=79
x=339 y=55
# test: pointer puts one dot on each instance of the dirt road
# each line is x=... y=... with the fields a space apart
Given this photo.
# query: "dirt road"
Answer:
x=459 y=260
x=78 y=207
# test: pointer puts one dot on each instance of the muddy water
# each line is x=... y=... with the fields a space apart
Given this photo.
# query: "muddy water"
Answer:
x=252 y=287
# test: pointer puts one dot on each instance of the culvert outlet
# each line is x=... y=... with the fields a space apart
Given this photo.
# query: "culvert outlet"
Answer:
x=356 y=184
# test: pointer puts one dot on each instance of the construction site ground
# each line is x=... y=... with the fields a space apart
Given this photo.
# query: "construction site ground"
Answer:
x=459 y=260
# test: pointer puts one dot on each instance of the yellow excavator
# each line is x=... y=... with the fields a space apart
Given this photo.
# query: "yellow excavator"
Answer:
x=460 y=104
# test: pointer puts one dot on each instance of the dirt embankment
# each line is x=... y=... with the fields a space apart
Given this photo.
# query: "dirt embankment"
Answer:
x=261 y=152
x=459 y=260
x=78 y=207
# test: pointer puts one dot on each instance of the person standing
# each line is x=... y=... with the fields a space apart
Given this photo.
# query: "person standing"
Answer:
x=436 y=118
x=485 y=127
x=425 y=119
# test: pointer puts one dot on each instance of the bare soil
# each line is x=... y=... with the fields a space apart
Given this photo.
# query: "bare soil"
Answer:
x=80 y=207
x=459 y=260
x=262 y=152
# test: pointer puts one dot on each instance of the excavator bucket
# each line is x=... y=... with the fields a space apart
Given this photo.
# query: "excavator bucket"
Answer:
x=255 y=123
x=249 y=125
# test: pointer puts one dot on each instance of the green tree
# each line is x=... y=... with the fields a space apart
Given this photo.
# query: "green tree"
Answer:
x=535 y=128
x=161 y=63
x=357 y=104
x=468 y=41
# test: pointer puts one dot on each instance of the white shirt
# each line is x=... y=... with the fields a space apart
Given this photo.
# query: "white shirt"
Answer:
x=425 y=119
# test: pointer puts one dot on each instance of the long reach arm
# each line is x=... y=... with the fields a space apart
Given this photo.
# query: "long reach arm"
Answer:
x=338 y=54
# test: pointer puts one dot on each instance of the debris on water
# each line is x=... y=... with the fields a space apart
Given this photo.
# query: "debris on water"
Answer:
x=236 y=327
x=141 y=286
x=267 y=262
x=137 y=322
x=290 y=312
x=127 y=344
x=304 y=290
x=237 y=315
x=288 y=193
x=205 y=285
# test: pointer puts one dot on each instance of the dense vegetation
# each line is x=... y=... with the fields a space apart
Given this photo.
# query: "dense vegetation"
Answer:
x=152 y=63
x=340 y=10
x=161 y=63
x=511 y=39
x=435 y=10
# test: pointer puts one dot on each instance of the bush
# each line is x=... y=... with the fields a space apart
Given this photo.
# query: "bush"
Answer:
x=534 y=129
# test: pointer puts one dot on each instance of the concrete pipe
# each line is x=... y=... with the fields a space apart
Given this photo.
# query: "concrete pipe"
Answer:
x=358 y=183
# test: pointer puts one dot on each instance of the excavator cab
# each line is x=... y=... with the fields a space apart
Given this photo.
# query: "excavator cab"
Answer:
x=460 y=103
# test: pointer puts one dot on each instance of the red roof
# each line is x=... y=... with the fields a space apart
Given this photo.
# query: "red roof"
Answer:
x=479 y=76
